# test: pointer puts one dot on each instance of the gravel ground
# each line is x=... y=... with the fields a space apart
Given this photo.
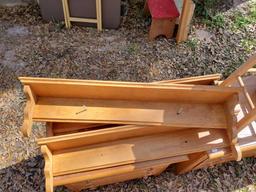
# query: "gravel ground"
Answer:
x=32 y=47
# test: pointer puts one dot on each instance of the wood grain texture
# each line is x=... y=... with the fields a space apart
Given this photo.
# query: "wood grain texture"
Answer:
x=231 y=116
x=185 y=20
x=100 y=136
x=68 y=128
x=130 y=112
x=194 y=160
x=117 y=171
x=197 y=80
x=28 y=111
x=48 y=168
x=62 y=88
x=133 y=150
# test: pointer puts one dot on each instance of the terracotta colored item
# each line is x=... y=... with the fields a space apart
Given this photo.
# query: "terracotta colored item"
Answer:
x=164 y=14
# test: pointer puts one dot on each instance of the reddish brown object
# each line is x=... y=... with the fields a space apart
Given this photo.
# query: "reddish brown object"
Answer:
x=162 y=27
x=163 y=14
x=163 y=9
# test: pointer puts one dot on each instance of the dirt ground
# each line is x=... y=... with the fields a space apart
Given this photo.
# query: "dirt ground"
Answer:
x=31 y=47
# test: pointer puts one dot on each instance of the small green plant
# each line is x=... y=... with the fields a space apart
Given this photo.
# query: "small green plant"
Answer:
x=248 y=44
x=241 y=21
x=133 y=48
x=192 y=43
x=215 y=21
x=203 y=8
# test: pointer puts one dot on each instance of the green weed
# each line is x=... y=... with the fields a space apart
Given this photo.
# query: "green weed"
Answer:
x=192 y=43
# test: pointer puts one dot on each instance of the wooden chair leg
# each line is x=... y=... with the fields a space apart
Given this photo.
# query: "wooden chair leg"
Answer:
x=161 y=27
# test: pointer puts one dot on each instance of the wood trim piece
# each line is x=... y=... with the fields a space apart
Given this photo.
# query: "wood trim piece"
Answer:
x=28 y=111
x=48 y=169
x=197 y=80
x=185 y=20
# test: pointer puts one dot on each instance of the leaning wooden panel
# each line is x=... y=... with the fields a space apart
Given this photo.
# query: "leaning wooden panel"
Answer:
x=185 y=20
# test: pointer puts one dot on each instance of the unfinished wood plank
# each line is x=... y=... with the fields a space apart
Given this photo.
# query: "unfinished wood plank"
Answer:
x=115 y=171
x=44 y=87
x=28 y=110
x=185 y=20
x=197 y=80
x=100 y=136
x=240 y=71
x=133 y=150
x=130 y=112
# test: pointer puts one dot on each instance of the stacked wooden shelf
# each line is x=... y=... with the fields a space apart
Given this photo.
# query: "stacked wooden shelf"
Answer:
x=116 y=131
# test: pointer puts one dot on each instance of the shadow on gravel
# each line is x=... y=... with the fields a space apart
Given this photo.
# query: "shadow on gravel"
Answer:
x=24 y=176
x=28 y=176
